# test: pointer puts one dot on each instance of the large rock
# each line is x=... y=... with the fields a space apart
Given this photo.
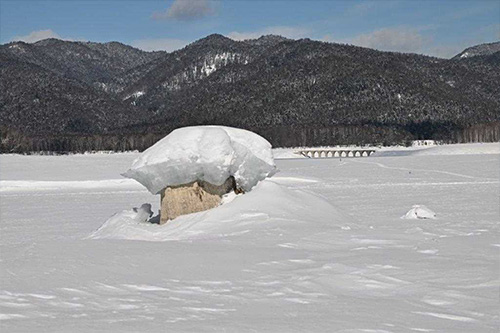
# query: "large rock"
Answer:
x=193 y=197
x=193 y=167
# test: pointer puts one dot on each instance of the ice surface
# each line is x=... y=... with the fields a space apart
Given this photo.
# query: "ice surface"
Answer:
x=209 y=153
x=419 y=212
x=441 y=150
x=64 y=185
x=323 y=250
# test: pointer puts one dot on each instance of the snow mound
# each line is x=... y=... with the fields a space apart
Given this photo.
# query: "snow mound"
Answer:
x=419 y=212
x=209 y=153
x=268 y=206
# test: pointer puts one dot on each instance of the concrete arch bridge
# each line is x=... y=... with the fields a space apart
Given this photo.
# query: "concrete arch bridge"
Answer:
x=332 y=153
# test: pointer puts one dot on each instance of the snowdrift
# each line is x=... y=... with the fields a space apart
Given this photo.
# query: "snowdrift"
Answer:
x=419 y=212
x=208 y=153
x=268 y=205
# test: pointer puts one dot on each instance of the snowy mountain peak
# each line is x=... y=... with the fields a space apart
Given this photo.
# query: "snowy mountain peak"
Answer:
x=479 y=50
x=51 y=41
x=213 y=40
x=19 y=47
x=267 y=40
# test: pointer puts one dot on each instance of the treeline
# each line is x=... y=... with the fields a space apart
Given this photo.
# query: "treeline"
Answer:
x=477 y=133
x=13 y=141
x=310 y=136
x=379 y=134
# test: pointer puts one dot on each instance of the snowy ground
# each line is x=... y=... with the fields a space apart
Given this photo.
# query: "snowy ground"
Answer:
x=321 y=246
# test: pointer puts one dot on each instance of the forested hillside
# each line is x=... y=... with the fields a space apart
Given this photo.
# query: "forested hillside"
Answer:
x=74 y=96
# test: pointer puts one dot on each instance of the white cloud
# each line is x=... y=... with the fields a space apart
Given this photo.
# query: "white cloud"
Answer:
x=445 y=51
x=413 y=40
x=362 y=8
x=398 y=39
x=285 y=31
x=160 y=44
x=35 y=36
x=406 y=40
x=391 y=39
x=186 y=10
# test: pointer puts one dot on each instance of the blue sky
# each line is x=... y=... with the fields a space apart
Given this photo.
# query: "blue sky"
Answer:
x=434 y=27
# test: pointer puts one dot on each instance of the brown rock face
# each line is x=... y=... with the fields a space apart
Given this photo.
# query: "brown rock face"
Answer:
x=192 y=197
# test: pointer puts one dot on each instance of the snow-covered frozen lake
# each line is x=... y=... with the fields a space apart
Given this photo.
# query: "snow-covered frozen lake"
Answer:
x=321 y=246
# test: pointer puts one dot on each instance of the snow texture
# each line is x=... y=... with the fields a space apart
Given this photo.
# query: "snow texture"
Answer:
x=268 y=200
x=209 y=153
x=419 y=212
x=318 y=248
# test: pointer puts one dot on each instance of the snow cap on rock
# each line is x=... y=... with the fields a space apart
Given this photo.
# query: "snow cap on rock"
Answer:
x=209 y=153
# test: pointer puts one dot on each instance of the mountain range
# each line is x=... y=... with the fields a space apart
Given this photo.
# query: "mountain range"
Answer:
x=71 y=96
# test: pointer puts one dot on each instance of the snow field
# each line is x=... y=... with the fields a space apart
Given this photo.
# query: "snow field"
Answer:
x=320 y=246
